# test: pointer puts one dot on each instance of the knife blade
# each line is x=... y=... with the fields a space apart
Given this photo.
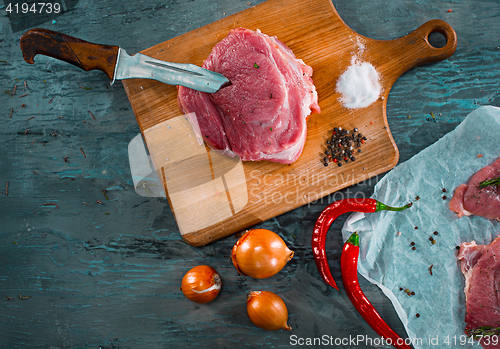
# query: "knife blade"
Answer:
x=140 y=66
x=115 y=62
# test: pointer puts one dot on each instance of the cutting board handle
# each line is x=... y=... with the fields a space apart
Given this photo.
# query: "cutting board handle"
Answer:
x=80 y=53
x=415 y=49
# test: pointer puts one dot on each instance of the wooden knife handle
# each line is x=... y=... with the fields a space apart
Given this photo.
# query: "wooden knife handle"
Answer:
x=80 y=53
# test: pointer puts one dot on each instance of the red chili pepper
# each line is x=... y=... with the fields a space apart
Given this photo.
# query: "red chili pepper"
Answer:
x=326 y=218
x=349 y=268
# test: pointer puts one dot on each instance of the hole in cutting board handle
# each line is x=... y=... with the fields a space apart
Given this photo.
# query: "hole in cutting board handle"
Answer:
x=437 y=39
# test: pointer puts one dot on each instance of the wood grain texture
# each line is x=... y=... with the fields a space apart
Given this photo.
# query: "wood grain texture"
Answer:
x=112 y=281
x=316 y=34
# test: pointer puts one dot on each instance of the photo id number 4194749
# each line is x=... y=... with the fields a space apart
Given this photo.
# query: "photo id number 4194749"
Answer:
x=33 y=8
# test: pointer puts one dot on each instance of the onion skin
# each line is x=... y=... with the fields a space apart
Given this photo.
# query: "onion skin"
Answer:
x=260 y=254
x=267 y=311
x=201 y=284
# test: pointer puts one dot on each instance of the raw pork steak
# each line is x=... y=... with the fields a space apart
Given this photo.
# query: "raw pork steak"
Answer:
x=480 y=265
x=469 y=199
x=262 y=114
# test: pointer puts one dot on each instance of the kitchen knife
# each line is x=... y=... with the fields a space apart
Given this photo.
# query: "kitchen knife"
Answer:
x=115 y=62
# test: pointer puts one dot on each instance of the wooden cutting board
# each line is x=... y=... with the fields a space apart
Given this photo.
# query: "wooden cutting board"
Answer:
x=213 y=196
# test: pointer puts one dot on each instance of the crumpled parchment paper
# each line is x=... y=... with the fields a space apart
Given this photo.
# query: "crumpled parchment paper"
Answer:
x=387 y=258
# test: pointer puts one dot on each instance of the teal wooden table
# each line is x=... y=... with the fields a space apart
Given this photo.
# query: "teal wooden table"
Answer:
x=86 y=262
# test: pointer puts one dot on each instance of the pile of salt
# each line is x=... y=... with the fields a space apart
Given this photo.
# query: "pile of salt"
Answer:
x=359 y=85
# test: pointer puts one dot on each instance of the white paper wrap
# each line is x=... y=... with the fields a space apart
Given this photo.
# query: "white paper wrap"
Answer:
x=387 y=258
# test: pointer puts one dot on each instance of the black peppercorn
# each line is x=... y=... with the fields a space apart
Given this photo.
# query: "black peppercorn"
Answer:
x=342 y=144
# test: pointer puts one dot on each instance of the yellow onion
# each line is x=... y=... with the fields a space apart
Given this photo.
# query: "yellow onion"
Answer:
x=267 y=310
x=260 y=254
x=201 y=284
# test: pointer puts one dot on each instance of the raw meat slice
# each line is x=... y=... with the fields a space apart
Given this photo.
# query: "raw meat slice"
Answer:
x=262 y=115
x=480 y=265
x=470 y=199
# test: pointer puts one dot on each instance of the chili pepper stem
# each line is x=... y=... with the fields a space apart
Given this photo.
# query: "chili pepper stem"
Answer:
x=353 y=239
x=381 y=207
